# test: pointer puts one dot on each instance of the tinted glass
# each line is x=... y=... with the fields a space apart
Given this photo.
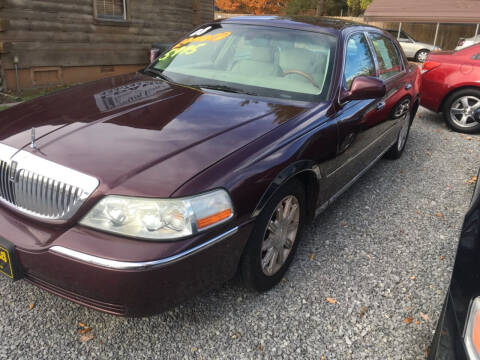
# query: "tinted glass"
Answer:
x=389 y=62
x=262 y=60
x=359 y=60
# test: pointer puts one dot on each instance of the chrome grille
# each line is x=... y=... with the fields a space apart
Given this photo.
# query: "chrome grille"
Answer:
x=45 y=196
x=41 y=188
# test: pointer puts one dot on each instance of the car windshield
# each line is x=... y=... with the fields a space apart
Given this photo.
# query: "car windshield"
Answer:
x=255 y=60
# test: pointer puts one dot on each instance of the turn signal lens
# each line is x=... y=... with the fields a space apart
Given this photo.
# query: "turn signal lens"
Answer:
x=430 y=65
x=472 y=331
x=213 y=219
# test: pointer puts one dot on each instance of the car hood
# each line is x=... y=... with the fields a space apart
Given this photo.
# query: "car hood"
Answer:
x=119 y=128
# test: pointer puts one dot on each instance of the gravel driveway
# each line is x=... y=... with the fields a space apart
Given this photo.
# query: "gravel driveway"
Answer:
x=382 y=254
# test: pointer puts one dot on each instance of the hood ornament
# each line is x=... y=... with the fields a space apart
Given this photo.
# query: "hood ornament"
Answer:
x=33 y=145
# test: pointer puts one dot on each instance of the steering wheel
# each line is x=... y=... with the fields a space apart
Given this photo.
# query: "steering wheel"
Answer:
x=298 y=72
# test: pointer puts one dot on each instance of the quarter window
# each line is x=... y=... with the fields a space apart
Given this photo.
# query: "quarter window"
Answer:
x=389 y=61
x=115 y=10
x=359 y=60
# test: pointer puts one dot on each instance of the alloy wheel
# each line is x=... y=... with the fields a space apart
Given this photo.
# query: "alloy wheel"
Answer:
x=422 y=56
x=462 y=111
x=280 y=235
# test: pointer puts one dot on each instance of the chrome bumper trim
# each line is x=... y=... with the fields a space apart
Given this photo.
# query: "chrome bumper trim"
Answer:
x=125 y=265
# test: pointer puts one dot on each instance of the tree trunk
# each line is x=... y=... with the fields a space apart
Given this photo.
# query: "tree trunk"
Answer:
x=320 y=7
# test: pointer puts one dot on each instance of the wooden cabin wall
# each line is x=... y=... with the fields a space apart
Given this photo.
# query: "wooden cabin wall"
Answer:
x=65 y=33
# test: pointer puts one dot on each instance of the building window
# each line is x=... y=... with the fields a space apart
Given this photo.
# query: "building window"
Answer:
x=114 y=10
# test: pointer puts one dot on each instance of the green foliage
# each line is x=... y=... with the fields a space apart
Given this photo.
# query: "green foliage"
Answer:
x=296 y=7
x=357 y=7
x=310 y=7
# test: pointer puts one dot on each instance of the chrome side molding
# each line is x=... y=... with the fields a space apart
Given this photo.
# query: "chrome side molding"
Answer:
x=127 y=265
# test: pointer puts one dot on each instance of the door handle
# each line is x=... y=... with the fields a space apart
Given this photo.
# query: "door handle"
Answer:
x=380 y=105
x=408 y=86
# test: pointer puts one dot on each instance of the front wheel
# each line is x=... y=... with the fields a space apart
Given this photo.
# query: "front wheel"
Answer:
x=459 y=111
x=274 y=238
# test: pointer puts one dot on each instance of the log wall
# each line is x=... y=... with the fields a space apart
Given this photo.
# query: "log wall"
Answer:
x=65 y=33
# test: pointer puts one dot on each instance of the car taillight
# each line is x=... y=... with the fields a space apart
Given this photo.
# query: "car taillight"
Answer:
x=430 y=65
x=471 y=335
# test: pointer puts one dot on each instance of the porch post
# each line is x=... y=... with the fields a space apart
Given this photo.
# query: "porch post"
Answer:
x=476 y=33
x=436 y=35
x=399 y=30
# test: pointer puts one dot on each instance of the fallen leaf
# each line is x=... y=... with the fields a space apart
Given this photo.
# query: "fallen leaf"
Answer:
x=408 y=320
x=472 y=180
x=31 y=306
x=345 y=224
x=442 y=257
x=438 y=130
x=363 y=311
x=417 y=322
x=87 y=337
x=439 y=214
x=260 y=347
x=424 y=316
x=235 y=335
x=413 y=277
x=331 y=300
x=468 y=138
x=82 y=325
x=85 y=330
x=311 y=256
x=428 y=153
x=194 y=349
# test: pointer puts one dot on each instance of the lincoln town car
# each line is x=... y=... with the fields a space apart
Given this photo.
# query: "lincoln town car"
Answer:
x=133 y=193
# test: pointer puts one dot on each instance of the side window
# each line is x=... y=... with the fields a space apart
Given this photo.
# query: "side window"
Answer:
x=389 y=60
x=359 y=60
x=476 y=57
x=113 y=10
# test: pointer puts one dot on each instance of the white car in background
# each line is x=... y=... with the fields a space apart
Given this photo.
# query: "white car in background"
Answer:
x=466 y=42
x=413 y=49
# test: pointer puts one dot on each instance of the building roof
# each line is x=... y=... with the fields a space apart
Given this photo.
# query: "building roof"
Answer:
x=427 y=11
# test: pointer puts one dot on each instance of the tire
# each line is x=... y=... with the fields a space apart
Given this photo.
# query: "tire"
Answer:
x=255 y=275
x=404 y=112
x=421 y=55
x=458 y=116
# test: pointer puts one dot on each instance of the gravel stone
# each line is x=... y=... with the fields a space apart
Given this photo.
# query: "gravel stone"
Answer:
x=400 y=222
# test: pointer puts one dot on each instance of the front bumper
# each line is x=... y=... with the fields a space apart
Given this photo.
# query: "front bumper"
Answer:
x=120 y=286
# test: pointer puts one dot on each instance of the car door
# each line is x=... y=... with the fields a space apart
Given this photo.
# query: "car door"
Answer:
x=357 y=122
x=392 y=70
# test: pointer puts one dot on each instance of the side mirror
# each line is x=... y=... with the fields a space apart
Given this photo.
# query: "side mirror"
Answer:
x=476 y=115
x=364 y=88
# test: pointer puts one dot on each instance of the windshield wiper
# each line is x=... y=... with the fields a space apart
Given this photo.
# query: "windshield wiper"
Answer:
x=225 y=88
x=158 y=74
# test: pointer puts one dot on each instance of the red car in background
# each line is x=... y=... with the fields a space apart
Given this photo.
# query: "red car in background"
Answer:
x=451 y=84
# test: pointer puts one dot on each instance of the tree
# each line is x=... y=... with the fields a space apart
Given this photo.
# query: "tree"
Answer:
x=252 y=6
x=315 y=7
x=357 y=7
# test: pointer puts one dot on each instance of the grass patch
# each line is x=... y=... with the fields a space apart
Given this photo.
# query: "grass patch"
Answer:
x=3 y=107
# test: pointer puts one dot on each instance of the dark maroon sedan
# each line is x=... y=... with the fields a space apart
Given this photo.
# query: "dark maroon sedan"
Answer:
x=133 y=193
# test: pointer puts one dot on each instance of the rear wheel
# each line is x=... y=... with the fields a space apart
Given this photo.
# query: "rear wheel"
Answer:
x=421 y=56
x=403 y=112
x=275 y=238
x=459 y=110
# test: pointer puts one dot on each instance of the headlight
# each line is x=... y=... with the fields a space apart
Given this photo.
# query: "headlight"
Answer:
x=160 y=219
x=472 y=331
